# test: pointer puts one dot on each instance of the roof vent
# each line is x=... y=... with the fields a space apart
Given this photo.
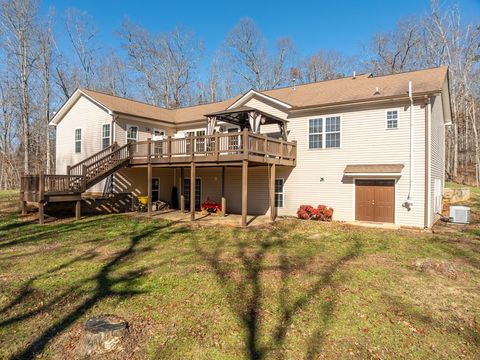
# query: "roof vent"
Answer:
x=354 y=75
x=377 y=91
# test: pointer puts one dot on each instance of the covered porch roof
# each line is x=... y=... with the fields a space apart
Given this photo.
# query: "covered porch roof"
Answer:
x=246 y=117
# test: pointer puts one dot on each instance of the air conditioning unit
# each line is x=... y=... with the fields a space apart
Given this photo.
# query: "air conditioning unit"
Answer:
x=459 y=214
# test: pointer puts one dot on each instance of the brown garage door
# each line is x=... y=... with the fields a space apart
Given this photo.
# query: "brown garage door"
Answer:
x=374 y=200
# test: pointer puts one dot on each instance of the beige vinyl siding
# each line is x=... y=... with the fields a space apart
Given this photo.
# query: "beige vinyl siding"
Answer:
x=364 y=140
x=437 y=154
x=89 y=117
x=135 y=181
x=145 y=129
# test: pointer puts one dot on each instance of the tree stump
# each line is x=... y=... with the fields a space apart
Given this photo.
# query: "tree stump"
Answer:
x=102 y=334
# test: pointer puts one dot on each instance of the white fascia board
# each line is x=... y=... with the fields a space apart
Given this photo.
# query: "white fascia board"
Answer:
x=374 y=174
x=251 y=93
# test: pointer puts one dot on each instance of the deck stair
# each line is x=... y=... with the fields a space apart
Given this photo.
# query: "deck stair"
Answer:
x=79 y=177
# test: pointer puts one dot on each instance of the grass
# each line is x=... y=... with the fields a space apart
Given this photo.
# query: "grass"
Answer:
x=295 y=289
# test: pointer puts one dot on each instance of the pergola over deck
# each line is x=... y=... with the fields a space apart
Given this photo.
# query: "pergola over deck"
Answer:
x=246 y=118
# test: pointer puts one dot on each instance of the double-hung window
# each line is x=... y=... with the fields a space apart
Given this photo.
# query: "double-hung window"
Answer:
x=132 y=133
x=78 y=141
x=332 y=132
x=324 y=133
x=105 y=136
x=315 y=133
x=392 y=119
x=279 y=193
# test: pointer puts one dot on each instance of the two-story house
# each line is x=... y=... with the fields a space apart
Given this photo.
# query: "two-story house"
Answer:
x=371 y=147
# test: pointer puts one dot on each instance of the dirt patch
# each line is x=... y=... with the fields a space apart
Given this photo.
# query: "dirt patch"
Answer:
x=440 y=267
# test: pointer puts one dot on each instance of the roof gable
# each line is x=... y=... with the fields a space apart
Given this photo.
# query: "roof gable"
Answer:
x=70 y=102
x=261 y=95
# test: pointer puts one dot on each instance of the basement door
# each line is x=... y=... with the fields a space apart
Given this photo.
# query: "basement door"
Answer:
x=198 y=192
x=375 y=200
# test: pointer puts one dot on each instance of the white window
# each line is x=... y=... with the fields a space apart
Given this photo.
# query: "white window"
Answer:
x=233 y=141
x=78 y=141
x=158 y=134
x=392 y=119
x=279 y=193
x=200 y=142
x=105 y=136
x=332 y=132
x=324 y=134
x=315 y=136
x=132 y=133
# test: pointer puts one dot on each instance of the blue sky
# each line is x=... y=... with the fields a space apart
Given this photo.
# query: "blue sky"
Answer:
x=342 y=25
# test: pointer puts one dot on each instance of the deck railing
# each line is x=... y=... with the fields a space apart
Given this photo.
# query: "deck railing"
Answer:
x=77 y=168
x=219 y=147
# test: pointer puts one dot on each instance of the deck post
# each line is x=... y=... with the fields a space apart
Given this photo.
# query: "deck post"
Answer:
x=192 y=191
x=245 y=143
x=41 y=214
x=224 y=201
x=23 y=204
x=182 y=192
x=217 y=146
x=169 y=148
x=273 y=210
x=41 y=190
x=149 y=178
x=244 y=192
x=78 y=205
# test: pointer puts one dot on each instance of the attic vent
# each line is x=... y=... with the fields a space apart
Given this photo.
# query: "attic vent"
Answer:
x=377 y=91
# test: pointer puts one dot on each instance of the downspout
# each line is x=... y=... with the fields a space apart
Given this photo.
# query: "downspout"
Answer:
x=114 y=119
x=428 y=141
x=409 y=202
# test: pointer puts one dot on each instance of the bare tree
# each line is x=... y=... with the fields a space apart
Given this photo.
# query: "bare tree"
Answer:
x=82 y=33
x=164 y=63
x=251 y=61
x=113 y=77
x=324 y=65
x=17 y=22
x=394 y=51
x=44 y=67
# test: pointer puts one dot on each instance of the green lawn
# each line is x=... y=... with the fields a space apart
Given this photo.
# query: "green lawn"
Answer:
x=295 y=290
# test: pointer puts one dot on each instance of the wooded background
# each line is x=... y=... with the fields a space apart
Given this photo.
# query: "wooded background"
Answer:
x=37 y=75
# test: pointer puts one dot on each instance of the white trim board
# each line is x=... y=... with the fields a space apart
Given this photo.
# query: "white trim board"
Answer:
x=252 y=93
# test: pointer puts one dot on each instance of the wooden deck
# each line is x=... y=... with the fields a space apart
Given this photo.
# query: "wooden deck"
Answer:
x=243 y=149
x=211 y=150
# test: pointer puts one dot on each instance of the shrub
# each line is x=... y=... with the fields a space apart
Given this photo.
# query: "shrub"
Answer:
x=320 y=213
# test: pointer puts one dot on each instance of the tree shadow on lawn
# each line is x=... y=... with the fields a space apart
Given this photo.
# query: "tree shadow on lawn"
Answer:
x=420 y=321
x=105 y=281
x=245 y=293
x=36 y=232
x=462 y=248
